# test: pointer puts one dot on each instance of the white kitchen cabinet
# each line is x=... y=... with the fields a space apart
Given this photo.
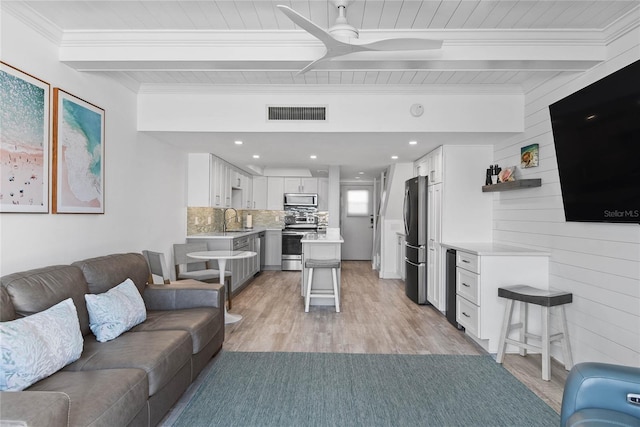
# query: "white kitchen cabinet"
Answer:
x=400 y=251
x=431 y=165
x=259 y=193
x=456 y=211
x=435 y=295
x=300 y=185
x=275 y=193
x=222 y=183
x=323 y=194
x=273 y=250
x=199 y=179
x=247 y=191
x=481 y=268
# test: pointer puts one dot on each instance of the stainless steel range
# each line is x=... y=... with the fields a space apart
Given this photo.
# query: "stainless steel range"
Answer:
x=298 y=221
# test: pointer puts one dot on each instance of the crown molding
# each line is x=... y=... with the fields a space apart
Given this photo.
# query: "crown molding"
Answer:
x=622 y=26
x=25 y=14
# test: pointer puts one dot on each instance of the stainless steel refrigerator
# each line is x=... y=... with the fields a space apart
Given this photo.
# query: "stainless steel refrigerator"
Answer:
x=415 y=226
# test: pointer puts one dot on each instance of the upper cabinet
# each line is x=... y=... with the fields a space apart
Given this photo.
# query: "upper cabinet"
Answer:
x=323 y=194
x=215 y=183
x=300 y=185
x=275 y=193
x=431 y=166
x=259 y=192
x=199 y=178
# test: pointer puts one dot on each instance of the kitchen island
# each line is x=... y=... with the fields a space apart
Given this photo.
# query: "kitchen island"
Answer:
x=321 y=246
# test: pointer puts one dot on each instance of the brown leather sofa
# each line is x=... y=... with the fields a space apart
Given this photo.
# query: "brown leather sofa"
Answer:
x=132 y=380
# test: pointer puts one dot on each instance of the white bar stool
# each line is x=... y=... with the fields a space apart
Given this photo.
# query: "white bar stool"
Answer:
x=311 y=264
x=546 y=299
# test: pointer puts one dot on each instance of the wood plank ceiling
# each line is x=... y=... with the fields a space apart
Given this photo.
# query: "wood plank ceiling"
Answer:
x=367 y=15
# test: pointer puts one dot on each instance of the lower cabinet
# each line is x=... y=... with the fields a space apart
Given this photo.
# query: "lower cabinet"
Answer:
x=400 y=267
x=273 y=250
x=242 y=270
x=479 y=274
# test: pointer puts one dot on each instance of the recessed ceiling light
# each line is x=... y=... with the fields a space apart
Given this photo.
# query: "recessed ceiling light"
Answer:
x=256 y=156
x=413 y=142
x=394 y=157
x=357 y=177
x=313 y=156
x=237 y=142
x=361 y=173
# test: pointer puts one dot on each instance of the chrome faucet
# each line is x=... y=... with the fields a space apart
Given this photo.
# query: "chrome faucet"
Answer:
x=224 y=217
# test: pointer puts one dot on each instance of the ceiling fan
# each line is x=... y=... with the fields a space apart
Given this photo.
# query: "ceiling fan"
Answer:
x=342 y=38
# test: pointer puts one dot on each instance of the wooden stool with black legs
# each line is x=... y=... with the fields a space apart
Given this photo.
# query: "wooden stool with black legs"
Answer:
x=545 y=299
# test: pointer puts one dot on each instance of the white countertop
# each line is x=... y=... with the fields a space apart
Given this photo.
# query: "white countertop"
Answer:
x=331 y=236
x=491 y=248
x=229 y=234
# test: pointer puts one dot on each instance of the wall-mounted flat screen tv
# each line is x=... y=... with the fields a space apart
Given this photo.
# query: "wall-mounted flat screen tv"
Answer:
x=597 y=140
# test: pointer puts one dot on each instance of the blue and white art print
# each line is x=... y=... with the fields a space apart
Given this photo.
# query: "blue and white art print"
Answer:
x=24 y=142
x=78 y=144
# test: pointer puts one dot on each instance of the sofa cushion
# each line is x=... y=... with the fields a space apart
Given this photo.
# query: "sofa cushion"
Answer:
x=34 y=408
x=105 y=272
x=201 y=323
x=160 y=353
x=107 y=398
x=7 y=312
x=115 y=311
x=36 y=346
x=36 y=290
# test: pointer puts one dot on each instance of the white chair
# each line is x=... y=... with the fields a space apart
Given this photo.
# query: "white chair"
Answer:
x=157 y=266
x=334 y=265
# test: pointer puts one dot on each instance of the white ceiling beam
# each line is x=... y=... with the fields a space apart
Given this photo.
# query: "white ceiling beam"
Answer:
x=292 y=50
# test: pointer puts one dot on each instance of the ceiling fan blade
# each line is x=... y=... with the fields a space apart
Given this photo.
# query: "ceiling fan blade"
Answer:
x=403 y=44
x=309 y=26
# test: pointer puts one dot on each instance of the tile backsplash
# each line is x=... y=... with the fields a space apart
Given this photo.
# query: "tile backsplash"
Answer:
x=208 y=220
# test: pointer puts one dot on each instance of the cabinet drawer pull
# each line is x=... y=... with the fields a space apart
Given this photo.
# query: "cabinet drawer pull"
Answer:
x=464 y=284
x=465 y=314
x=466 y=261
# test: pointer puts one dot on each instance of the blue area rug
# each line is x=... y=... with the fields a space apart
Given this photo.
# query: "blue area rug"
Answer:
x=329 y=389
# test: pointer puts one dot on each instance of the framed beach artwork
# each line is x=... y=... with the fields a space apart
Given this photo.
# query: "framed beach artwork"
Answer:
x=529 y=156
x=24 y=142
x=78 y=155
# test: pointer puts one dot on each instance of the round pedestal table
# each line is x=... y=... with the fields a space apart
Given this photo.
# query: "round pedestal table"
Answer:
x=222 y=257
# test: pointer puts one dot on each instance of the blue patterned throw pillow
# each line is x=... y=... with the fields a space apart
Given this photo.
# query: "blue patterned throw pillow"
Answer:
x=36 y=346
x=115 y=311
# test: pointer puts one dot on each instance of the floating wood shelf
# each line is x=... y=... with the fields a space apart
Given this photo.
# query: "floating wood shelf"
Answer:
x=512 y=185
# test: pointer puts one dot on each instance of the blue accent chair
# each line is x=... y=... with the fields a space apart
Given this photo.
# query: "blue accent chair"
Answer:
x=598 y=394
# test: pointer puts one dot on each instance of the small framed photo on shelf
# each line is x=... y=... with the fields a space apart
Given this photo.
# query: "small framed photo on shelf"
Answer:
x=529 y=156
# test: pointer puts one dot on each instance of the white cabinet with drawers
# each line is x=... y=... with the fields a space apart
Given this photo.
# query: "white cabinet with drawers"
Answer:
x=481 y=268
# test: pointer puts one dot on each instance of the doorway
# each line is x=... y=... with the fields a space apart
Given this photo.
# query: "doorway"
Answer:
x=356 y=221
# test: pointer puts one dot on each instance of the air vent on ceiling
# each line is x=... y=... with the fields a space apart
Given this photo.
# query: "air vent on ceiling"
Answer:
x=297 y=113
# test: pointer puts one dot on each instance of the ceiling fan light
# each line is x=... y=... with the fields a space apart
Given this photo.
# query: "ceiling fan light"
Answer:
x=344 y=31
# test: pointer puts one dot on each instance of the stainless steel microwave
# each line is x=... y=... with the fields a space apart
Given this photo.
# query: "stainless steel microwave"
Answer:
x=300 y=199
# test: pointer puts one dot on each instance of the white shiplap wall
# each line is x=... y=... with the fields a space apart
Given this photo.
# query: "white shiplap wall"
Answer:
x=599 y=263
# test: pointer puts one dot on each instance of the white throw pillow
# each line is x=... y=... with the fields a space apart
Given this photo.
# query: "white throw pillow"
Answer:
x=115 y=311
x=36 y=346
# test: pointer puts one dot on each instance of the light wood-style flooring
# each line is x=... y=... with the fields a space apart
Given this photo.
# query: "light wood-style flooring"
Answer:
x=375 y=317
